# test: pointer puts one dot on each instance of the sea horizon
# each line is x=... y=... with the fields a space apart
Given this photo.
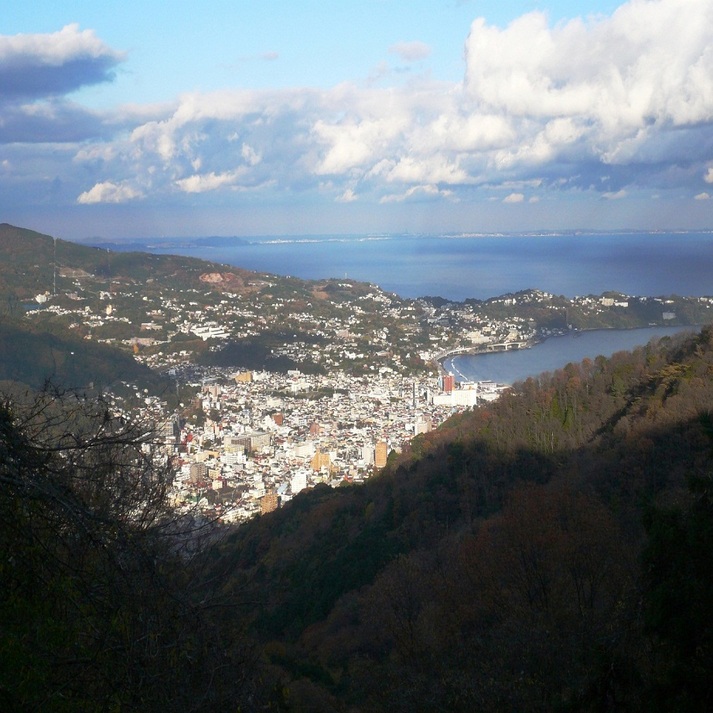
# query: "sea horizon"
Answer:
x=332 y=236
x=460 y=266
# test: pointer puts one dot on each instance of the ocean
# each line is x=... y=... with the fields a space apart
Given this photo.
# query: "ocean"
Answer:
x=458 y=267
x=554 y=353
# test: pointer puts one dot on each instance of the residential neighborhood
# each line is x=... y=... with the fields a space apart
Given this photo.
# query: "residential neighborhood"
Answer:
x=283 y=384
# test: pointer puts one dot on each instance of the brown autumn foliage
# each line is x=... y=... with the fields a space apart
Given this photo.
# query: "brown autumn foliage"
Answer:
x=548 y=552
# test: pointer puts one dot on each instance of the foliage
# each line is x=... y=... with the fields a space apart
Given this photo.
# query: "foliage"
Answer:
x=679 y=582
x=99 y=605
x=550 y=551
x=258 y=353
x=31 y=357
x=507 y=562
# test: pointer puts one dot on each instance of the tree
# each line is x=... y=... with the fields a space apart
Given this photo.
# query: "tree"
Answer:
x=679 y=597
x=100 y=608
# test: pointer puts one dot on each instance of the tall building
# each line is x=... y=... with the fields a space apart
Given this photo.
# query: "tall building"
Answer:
x=423 y=425
x=298 y=482
x=320 y=460
x=198 y=472
x=381 y=454
x=449 y=383
x=269 y=502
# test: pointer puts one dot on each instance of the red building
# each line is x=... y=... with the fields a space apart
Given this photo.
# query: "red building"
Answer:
x=449 y=383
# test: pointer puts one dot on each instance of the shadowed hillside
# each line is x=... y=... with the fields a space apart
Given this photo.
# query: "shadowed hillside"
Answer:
x=32 y=357
x=549 y=551
x=519 y=558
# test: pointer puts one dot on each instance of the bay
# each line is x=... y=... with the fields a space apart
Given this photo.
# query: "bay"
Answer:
x=551 y=354
x=458 y=267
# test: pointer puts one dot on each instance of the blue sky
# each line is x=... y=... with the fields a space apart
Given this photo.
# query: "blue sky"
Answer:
x=130 y=119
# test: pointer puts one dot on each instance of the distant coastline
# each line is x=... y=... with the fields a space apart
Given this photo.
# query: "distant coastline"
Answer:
x=553 y=352
x=473 y=265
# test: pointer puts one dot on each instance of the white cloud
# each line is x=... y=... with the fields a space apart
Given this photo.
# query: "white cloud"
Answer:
x=251 y=157
x=615 y=195
x=37 y=65
x=95 y=153
x=702 y=196
x=455 y=131
x=54 y=48
x=108 y=192
x=424 y=191
x=430 y=169
x=605 y=89
x=200 y=183
x=411 y=51
x=650 y=60
x=548 y=107
x=352 y=144
x=347 y=197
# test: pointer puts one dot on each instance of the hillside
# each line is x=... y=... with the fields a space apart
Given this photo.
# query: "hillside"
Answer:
x=29 y=260
x=33 y=357
x=167 y=309
x=522 y=557
x=550 y=551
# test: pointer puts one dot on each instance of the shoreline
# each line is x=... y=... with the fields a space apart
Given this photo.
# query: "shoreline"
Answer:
x=500 y=348
x=496 y=348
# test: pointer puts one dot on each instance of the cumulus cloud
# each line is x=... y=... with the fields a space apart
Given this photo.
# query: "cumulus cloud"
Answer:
x=52 y=121
x=410 y=51
x=420 y=192
x=702 y=196
x=207 y=182
x=347 y=197
x=649 y=62
x=38 y=65
x=609 y=89
x=108 y=192
x=37 y=71
x=607 y=105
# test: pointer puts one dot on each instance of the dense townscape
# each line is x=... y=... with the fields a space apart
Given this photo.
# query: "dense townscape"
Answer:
x=283 y=383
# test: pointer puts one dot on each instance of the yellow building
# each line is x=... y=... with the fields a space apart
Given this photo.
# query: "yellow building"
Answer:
x=320 y=460
x=381 y=454
x=269 y=503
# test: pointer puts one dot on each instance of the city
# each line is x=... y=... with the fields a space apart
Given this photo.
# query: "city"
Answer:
x=329 y=378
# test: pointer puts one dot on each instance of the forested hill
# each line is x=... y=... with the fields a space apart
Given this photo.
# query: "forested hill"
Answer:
x=548 y=552
x=29 y=260
x=551 y=552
